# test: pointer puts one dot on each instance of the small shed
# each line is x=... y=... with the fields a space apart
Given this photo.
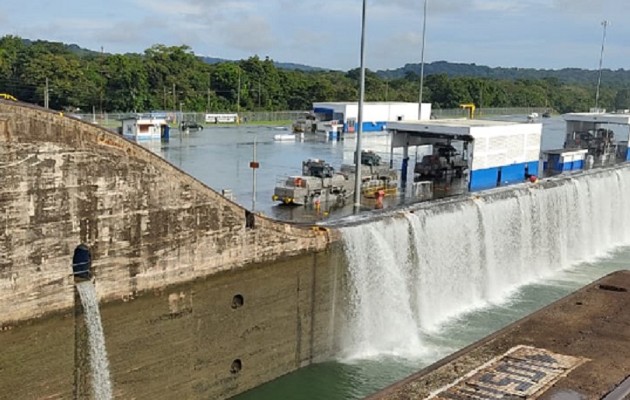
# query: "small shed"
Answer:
x=145 y=127
x=563 y=160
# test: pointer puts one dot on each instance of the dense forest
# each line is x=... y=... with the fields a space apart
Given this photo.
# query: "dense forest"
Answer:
x=565 y=75
x=174 y=78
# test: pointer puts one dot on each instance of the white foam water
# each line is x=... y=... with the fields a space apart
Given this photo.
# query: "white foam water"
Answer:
x=101 y=383
x=411 y=273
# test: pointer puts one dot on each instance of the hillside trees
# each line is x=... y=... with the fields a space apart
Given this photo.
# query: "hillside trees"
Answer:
x=124 y=84
x=173 y=78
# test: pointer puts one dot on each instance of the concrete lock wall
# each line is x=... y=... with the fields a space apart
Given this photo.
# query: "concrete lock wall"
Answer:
x=66 y=182
x=183 y=341
x=169 y=255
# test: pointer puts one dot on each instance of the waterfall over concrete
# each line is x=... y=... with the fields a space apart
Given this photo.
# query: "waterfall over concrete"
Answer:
x=101 y=383
x=415 y=270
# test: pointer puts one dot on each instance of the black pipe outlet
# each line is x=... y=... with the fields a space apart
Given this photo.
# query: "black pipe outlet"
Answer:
x=82 y=263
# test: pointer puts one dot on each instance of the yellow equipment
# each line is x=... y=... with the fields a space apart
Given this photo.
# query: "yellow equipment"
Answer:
x=471 y=109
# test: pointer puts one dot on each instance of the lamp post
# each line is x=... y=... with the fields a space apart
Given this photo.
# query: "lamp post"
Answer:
x=357 y=156
x=601 y=57
x=424 y=31
x=254 y=165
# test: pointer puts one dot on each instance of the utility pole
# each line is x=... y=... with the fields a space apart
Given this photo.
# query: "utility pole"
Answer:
x=480 y=98
x=46 y=95
x=601 y=58
x=424 y=32
x=174 y=98
x=103 y=85
x=357 y=156
x=238 y=93
x=209 y=86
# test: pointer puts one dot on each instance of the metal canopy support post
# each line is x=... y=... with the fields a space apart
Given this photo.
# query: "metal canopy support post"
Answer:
x=404 y=168
x=391 y=149
x=357 y=156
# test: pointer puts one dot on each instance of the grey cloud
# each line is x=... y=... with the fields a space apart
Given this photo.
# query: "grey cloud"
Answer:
x=252 y=34
x=394 y=51
x=442 y=6
x=121 y=32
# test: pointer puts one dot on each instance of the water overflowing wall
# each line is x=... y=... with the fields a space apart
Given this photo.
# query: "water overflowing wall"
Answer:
x=414 y=271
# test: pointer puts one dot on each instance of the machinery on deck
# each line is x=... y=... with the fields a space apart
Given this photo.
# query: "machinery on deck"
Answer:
x=375 y=176
x=600 y=143
x=320 y=183
x=443 y=165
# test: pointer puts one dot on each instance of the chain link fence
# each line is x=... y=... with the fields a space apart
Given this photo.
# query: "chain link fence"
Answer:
x=254 y=117
x=446 y=113
x=251 y=117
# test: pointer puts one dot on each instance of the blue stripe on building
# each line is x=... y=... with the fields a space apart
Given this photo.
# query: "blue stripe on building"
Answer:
x=374 y=126
x=489 y=178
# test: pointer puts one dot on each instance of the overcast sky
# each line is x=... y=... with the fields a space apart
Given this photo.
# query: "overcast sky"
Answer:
x=549 y=34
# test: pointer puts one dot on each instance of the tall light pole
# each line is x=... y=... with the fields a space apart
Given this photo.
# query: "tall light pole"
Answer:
x=357 y=156
x=238 y=94
x=424 y=31
x=601 y=58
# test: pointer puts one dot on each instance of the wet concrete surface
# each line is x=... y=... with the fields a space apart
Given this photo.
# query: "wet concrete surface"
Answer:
x=590 y=327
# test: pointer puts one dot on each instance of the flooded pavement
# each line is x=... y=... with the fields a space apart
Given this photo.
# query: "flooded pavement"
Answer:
x=220 y=158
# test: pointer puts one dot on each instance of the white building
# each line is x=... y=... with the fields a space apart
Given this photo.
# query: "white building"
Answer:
x=376 y=115
x=498 y=152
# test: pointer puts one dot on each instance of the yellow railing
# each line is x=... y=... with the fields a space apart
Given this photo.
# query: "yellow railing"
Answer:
x=7 y=96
